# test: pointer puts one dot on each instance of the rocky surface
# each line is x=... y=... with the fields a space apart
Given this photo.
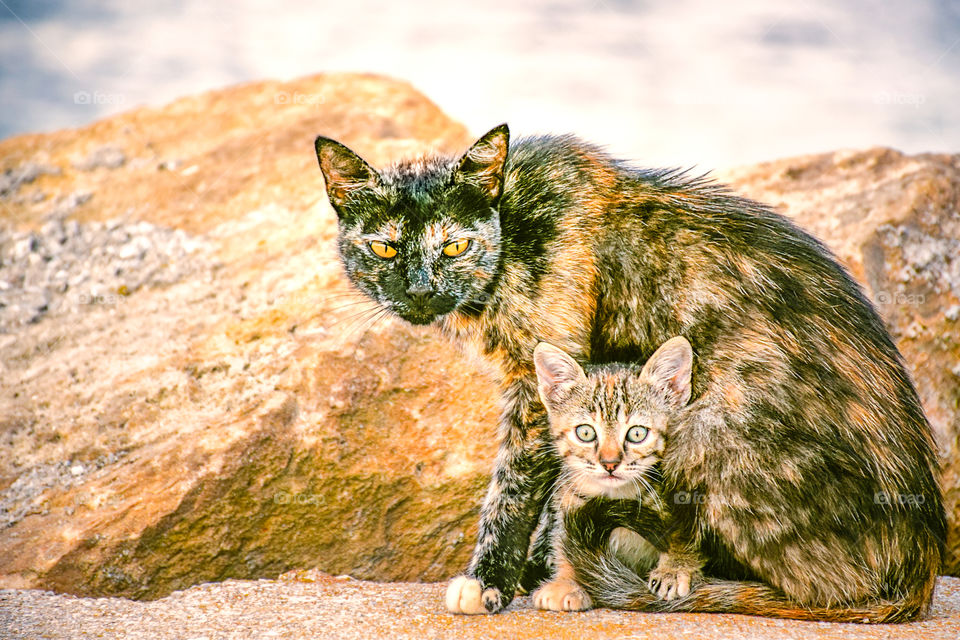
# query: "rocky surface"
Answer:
x=312 y=605
x=66 y=265
x=13 y=178
x=226 y=408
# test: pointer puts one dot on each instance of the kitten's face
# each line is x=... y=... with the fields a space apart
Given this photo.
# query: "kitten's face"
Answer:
x=609 y=426
x=421 y=239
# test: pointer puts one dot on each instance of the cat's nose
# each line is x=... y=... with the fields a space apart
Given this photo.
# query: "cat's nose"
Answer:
x=610 y=465
x=420 y=294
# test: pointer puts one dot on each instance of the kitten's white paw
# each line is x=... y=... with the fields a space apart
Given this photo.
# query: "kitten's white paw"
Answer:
x=467 y=595
x=561 y=595
x=670 y=583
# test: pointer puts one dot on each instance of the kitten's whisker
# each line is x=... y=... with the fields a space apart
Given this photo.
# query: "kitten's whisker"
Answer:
x=649 y=487
x=563 y=479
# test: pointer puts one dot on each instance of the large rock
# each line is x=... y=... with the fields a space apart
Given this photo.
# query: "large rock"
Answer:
x=191 y=393
x=249 y=417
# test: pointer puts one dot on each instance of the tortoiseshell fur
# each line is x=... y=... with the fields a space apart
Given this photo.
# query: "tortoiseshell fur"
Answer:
x=801 y=403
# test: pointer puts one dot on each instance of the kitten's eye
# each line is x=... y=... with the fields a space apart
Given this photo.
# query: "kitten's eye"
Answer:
x=383 y=250
x=637 y=434
x=585 y=433
x=455 y=248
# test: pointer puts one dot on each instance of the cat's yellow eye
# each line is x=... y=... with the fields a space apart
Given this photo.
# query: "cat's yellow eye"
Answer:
x=637 y=434
x=455 y=248
x=383 y=250
x=585 y=433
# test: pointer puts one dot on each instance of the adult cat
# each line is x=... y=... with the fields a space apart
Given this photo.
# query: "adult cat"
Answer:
x=552 y=240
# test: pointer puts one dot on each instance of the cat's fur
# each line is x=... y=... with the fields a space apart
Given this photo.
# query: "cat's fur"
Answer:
x=800 y=396
x=625 y=413
x=610 y=400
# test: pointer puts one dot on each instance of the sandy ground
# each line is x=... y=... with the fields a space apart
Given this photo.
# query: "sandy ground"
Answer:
x=311 y=604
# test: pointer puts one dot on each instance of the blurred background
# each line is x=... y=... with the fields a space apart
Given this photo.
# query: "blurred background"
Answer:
x=681 y=82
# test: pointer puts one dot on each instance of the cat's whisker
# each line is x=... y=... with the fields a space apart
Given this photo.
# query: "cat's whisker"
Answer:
x=356 y=318
x=369 y=305
x=347 y=297
x=380 y=317
x=367 y=324
x=355 y=322
x=352 y=304
x=343 y=294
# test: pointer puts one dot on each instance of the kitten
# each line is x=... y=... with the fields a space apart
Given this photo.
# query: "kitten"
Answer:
x=609 y=427
x=612 y=426
x=800 y=395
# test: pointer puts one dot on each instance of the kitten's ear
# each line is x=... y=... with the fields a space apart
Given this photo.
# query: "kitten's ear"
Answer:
x=343 y=171
x=483 y=163
x=557 y=373
x=669 y=370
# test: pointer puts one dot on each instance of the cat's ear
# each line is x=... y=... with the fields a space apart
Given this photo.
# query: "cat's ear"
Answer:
x=557 y=373
x=483 y=163
x=343 y=171
x=669 y=370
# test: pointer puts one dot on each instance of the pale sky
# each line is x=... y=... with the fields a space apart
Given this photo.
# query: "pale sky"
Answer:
x=685 y=82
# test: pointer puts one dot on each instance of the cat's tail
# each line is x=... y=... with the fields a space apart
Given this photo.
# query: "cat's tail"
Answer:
x=612 y=583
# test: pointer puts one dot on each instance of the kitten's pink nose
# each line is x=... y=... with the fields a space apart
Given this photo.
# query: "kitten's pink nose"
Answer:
x=610 y=465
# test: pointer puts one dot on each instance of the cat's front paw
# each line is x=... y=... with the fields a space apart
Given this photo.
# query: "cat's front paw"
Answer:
x=670 y=583
x=466 y=595
x=561 y=595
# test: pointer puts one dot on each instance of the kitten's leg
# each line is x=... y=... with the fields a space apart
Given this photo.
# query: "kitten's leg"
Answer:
x=524 y=473
x=681 y=563
x=539 y=566
x=563 y=592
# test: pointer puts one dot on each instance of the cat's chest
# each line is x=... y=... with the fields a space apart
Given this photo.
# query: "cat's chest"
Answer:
x=504 y=340
x=468 y=334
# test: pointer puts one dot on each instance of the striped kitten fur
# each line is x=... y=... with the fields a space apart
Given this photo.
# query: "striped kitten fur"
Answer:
x=800 y=401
